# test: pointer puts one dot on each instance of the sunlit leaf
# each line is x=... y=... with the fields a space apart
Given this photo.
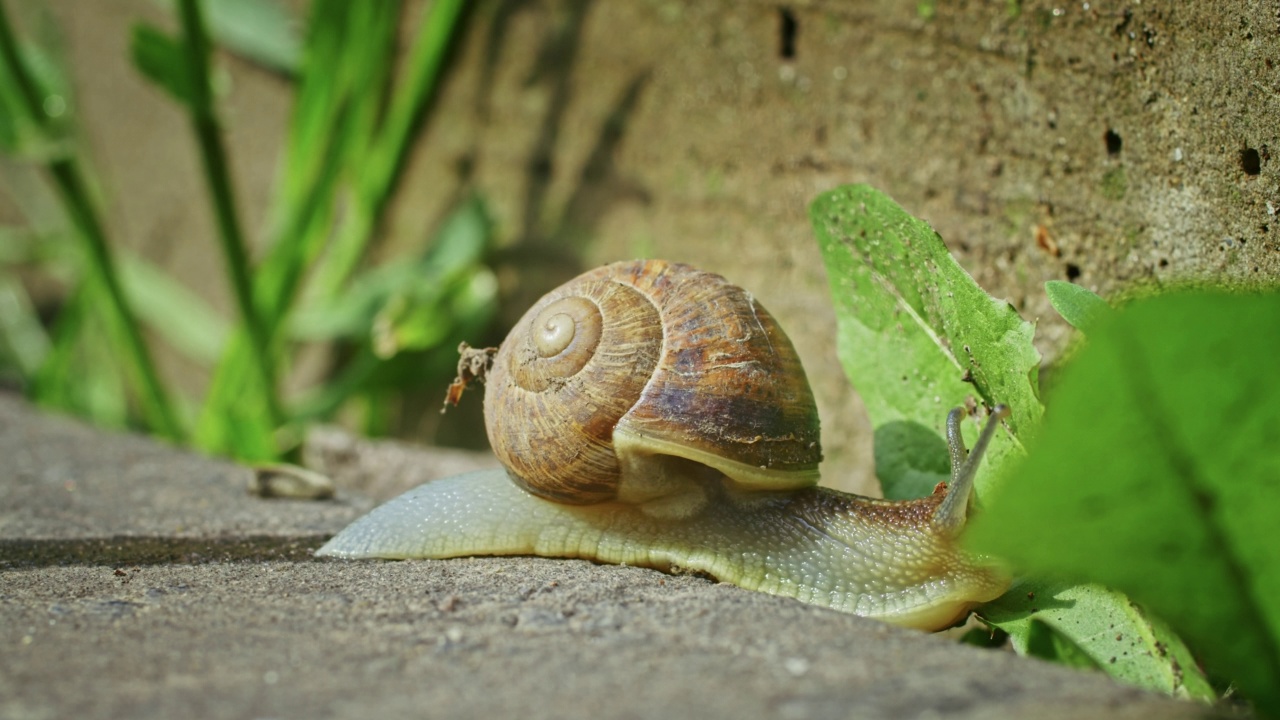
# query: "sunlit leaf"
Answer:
x=904 y=309
x=916 y=335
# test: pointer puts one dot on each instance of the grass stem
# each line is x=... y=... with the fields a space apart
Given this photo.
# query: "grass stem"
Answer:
x=213 y=155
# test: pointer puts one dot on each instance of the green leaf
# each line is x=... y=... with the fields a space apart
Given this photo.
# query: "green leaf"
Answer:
x=1156 y=474
x=260 y=30
x=1089 y=626
x=1078 y=306
x=24 y=344
x=180 y=316
x=916 y=335
x=910 y=459
x=161 y=60
x=83 y=372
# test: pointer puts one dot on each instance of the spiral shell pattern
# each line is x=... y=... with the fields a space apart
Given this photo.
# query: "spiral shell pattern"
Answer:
x=571 y=368
x=671 y=355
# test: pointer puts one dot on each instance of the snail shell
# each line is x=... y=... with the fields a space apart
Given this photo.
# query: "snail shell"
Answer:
x=639 y=361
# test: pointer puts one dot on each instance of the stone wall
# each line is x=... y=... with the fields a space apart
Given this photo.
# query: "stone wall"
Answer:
x=1107 y=143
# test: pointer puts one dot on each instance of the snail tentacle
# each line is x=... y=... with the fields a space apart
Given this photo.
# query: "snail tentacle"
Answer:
x=954 y=510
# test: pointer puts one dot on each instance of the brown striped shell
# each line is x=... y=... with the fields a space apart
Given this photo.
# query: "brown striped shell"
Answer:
x=657 y=357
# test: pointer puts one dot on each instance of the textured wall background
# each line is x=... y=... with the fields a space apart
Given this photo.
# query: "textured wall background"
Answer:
x=1109 y=143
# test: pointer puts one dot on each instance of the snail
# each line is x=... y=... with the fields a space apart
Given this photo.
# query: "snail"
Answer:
x=648 y=413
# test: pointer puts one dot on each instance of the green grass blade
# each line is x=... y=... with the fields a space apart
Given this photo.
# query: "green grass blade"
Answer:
x=155 y=398
x=82 y=374
x=303 y=215
x=23 y=340
x=318 y=116
x=319 y=135
x=182 y=318
x=414 y=91
x=196 y=46
x=380 y=167
x=160 y=59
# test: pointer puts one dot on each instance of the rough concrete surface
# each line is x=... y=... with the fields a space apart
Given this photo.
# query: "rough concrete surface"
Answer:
x=97 y=620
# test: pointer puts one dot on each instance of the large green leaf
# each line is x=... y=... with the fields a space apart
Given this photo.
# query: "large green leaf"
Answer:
x=917 y=336
x=1157 y=473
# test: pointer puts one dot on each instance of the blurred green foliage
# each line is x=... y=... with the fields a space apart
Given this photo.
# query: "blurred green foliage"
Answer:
x=357 y=106
x=1157 y=473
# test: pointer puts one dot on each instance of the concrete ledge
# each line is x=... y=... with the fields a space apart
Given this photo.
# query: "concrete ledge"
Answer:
x=140 y=581
x=62 y=480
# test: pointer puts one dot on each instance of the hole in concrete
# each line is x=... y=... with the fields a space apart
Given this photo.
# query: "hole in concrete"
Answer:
x=1164 y=262
x=1113 y=141
x=1073 y=271
x=1121 y=28
x=787 y=28
x=1250 y=161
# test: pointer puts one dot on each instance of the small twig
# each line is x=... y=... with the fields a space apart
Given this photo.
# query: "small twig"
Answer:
x=473 y=364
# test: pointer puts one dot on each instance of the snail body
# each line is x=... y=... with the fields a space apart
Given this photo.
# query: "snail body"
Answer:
x=651 y=414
